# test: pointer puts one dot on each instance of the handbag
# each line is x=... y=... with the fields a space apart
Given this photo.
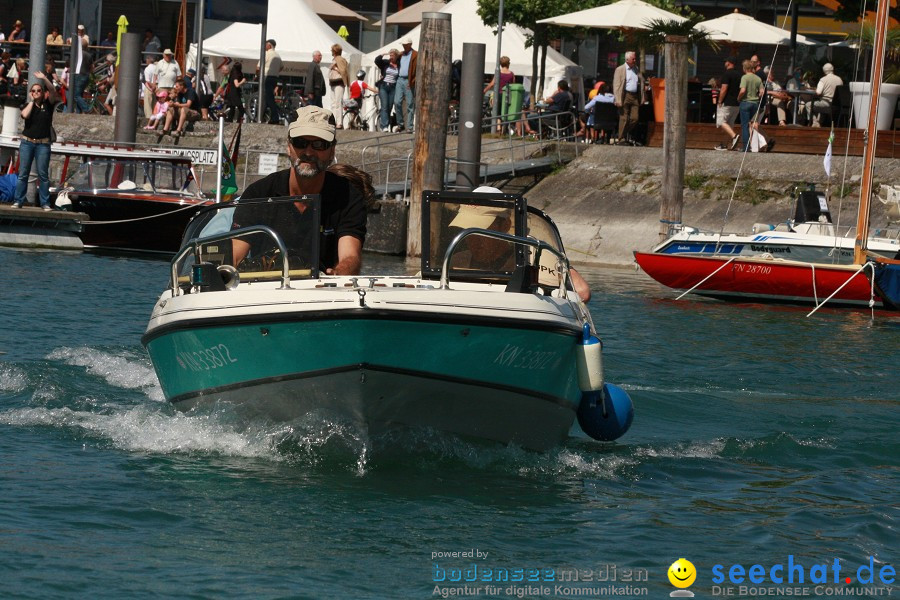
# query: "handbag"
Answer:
x=334 y=76
x=52 y=134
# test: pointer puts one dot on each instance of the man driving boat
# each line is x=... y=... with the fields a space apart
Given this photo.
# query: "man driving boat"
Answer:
x=311 y=147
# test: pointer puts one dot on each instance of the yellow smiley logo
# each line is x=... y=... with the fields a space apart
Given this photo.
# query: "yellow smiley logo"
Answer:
x=682 y=573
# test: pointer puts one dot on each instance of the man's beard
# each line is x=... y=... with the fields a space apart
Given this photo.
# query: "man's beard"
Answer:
x=309 y=167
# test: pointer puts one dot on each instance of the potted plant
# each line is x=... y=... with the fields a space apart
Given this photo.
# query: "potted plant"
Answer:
x=890 y=88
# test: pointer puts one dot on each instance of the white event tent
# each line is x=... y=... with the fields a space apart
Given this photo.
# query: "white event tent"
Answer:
x=297 y=30
x=467 y=27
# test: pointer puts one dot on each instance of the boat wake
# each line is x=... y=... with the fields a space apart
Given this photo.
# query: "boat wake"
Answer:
x=99 y=395
x=126 y=370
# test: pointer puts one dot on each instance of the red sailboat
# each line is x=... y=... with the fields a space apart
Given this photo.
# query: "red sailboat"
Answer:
x=769 y=279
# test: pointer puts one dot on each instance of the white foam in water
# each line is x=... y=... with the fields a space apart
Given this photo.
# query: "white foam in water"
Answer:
x=145 y=429
x=12 y=379
x=709 y=449
x=123 y=371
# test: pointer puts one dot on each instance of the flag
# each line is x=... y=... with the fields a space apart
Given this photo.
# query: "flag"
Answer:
x=827 y=160
x=229 y=181
x=229 y=160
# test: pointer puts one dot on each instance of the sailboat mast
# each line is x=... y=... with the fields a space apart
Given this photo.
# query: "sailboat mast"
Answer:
x=865 y=191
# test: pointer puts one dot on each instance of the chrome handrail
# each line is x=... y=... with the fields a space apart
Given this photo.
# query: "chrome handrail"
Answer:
x=539 y=244
x=195 y=243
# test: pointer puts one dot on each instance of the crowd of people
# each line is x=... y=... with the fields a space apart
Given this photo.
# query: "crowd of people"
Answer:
x=752 y=92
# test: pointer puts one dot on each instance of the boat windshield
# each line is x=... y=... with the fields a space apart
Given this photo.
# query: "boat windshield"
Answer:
x=447 y=214
x=240 y=234
x=158 y=177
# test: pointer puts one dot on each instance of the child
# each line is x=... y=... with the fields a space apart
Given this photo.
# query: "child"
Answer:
x=357 y=89
x=159 y=112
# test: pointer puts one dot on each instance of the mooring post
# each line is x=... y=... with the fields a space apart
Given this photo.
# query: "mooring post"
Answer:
x=127 y=88
x=432 y=92
x=674 y=131
x=468 y=148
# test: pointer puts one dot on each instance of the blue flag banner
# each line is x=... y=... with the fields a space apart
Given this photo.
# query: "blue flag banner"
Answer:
x=241 y=11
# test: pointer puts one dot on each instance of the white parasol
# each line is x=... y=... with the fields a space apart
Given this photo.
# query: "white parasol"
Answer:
x=412 y=14
x=625 y=14
x=737 y=28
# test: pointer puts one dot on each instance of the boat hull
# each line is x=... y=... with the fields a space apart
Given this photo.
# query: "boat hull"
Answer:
x=135 y=222
x=758 y=279
x=501 y=379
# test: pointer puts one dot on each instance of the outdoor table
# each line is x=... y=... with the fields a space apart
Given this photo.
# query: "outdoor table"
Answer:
x=810 y=93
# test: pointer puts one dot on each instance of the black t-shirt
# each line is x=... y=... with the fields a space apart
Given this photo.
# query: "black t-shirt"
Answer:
x=343 y=212
x=191 y=96
x=39 y=122
x=733 y=79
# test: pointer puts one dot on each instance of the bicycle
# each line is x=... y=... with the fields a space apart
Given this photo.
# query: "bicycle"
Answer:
x=351 y=108
x=288 y=102
x=96 y=104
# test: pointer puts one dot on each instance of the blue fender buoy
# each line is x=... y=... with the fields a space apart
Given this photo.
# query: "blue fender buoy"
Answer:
x=606 y=414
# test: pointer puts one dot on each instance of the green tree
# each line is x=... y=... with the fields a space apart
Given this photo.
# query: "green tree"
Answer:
x=527 y=13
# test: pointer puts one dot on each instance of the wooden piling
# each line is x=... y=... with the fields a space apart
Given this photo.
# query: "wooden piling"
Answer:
x=432 y=93
x=674 y=134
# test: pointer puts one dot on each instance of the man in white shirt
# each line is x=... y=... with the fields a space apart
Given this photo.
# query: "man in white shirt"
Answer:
x=149 y=89
x=825 y=92
x=167 y=71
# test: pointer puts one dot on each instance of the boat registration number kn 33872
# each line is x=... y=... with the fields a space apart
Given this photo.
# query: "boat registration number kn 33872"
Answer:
x=206 y=359
x=520 y=358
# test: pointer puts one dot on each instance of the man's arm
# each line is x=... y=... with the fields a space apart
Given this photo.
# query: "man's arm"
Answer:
x=723 y=89
x=349 y=256
x=239 y=250
x=581 y=286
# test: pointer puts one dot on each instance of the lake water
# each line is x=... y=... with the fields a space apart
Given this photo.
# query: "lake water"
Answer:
x=759 y=435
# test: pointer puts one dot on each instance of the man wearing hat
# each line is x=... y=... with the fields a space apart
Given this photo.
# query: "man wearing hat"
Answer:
x=406 y=85
x=311 y=145
x=273 y=70
x=18 y=34
x=167 y=71
x=83 y=37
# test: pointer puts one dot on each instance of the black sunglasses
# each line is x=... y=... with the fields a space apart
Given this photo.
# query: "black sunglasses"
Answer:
x=301 y=144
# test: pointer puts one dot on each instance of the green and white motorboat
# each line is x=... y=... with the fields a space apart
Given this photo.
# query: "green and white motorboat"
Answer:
x=489 y=341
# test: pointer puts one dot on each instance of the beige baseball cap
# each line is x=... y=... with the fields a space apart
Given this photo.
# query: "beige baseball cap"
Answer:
x=315 y=121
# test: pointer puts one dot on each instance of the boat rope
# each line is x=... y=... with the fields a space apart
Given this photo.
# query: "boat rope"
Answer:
x=171 y=212
x=868 y=265
x=722 y=266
